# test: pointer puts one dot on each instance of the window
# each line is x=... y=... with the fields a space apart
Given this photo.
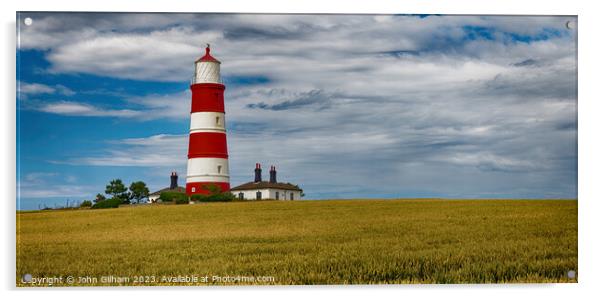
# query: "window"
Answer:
x=291 y=195
x=219 y=169
x=193 y=189
x=217 y=120
x=258 y=195
x=277 y=195
x=241 y=196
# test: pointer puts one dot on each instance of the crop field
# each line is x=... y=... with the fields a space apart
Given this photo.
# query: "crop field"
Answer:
x=301 y=242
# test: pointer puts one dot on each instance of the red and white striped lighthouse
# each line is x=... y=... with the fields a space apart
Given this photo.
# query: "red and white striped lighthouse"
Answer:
x=207 y=147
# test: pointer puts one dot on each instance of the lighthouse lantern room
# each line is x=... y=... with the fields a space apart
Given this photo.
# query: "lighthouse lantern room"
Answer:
x=207 y=147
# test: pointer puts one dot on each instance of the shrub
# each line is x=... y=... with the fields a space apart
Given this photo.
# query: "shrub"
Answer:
x=216 y=197
x=107 y=204
x=212 y=189
x=85 y=204
x=179 y=198
x=182 y=200
x=168 y=196
x=197 y=197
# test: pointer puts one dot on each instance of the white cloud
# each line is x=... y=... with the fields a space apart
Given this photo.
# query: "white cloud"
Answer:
x=39 y=177
x=170 y=106
x=154 y=151
x=157 y=56
x=80 y=109
x=49 y=185
x=149 y=107
x=34 y=88
x=53 y=191
x=26 y=88
x=490 y=162
x=64 y=90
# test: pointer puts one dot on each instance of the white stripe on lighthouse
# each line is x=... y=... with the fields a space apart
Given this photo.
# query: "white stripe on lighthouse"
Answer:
x=208 y=170
x=207 y=179
x=207 y=122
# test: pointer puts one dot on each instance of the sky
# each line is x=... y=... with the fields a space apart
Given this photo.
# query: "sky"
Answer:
x=346 y=106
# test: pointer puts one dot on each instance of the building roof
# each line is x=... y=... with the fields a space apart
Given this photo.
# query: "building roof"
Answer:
x=266 y=185
x=177 y=189
x=208 y=56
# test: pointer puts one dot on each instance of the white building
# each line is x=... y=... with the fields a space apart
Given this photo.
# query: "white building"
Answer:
x=261 y=190
x=173 y=187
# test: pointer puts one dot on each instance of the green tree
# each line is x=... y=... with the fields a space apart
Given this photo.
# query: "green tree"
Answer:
x=117 y=190
x=99 y=198
x=138 y=191
x=85 y=204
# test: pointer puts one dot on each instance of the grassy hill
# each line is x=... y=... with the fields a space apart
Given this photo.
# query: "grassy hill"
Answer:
x=303 y=242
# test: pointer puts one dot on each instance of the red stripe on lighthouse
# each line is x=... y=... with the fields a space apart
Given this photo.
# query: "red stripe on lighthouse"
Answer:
x=207 y=97
x=202 y=187
x=208 y=144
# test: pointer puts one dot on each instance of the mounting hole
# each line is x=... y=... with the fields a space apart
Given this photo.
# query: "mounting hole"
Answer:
x=27 y=278
x=570 y=25
x=571 y=274
x=28 y=21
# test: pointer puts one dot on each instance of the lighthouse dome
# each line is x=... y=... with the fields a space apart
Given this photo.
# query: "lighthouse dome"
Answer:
x=208 y=56
x=207 y=69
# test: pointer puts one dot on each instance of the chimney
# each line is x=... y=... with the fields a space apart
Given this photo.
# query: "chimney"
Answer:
x=257 y=172
x=273 y=174
x=174 y=180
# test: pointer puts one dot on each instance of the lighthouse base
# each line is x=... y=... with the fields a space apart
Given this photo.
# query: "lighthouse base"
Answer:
x=205 y=187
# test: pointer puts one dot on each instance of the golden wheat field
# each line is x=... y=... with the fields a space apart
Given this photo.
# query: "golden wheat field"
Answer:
x=301 y=242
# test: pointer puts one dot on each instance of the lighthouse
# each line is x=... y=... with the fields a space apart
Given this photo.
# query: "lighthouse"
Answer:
x=207 y=147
